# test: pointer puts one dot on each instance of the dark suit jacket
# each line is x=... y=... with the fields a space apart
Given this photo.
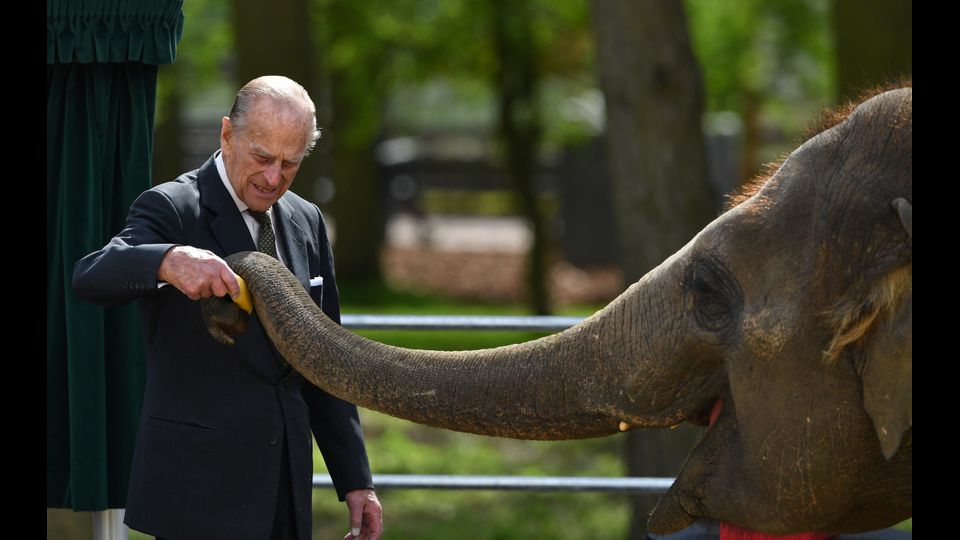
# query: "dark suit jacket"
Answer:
x=207 y=459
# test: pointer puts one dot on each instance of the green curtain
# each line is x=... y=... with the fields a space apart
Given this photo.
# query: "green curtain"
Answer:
x=102 y=62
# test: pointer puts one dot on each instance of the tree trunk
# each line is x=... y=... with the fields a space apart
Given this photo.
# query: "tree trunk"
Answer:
x=273 y=41
x=874 y=43
x=520 y=129
x=357 y=202
x=662 y=198
x=352 y=104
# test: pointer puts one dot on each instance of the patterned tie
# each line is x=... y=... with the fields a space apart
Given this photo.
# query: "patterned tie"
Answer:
x=267 y=243
x=266 y=240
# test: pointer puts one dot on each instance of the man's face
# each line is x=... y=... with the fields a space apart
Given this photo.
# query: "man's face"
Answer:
x=262 y=159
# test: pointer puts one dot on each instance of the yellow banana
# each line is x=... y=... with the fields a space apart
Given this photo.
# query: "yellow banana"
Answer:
x=243 y=299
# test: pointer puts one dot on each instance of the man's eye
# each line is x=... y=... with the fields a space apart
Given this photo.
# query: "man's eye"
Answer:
x=261 y=159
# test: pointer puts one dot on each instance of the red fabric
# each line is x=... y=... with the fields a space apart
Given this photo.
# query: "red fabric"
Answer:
x=732 y=532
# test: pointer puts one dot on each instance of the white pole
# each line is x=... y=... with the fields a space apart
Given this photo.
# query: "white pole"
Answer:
x=108 y=525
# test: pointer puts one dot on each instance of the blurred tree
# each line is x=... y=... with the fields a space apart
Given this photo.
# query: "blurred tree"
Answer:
x=370 y=50
x=521 y=129
x=205 y=52
x=654 y=102
x=874 y=43
x=764 y=59
x=353 y=50
x=273 y=39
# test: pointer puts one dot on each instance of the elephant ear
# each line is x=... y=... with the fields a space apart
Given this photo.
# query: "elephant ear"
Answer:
x=888 y=361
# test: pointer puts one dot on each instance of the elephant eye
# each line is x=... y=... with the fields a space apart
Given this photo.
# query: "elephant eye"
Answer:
x=712 y=295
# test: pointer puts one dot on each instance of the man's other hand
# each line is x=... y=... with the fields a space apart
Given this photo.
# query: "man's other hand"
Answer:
x=366 y=516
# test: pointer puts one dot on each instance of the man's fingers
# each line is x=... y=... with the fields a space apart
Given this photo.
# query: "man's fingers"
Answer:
x=355 y=506
x=218 y=288
x=230 y=280
x=375 y=527
x=365 y=514
x=198 y=273
x=356 y=518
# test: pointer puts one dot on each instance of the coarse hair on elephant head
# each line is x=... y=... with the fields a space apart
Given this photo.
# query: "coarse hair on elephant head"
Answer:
x=784 y=326
x=872 y=320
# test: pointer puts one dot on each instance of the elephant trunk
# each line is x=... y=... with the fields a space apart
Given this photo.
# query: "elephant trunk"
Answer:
x=564 y=386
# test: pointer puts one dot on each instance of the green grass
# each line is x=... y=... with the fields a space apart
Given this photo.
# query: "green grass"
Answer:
x=397 y=446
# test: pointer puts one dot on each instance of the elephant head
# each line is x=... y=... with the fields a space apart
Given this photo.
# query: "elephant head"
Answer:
x=785 y=326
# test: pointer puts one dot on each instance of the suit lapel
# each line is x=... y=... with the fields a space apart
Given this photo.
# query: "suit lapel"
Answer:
x=226 y=223
x=293 y=239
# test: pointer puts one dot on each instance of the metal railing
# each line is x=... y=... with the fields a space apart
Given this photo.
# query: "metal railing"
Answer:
x=640 y=485
x=520 y=323
x=532 y=323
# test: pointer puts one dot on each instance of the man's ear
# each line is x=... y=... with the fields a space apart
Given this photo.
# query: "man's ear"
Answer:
x=226 y=132
x=888 y=358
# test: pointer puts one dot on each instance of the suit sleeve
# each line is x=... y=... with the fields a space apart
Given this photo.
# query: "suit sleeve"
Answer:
x=335 y=422
x=126 y=268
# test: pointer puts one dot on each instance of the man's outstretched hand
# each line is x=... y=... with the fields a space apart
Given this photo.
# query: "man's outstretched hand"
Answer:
x=197 y=273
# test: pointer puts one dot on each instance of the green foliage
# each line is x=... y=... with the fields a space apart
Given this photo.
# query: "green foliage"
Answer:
x=780 y=52
x=437 y=63
x=205 y=48
x=200 y=77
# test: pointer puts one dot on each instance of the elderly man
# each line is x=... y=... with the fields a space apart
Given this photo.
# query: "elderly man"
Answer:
x=223 y=448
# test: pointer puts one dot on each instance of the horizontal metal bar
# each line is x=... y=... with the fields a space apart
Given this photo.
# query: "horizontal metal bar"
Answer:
x=629 y=485
x=535 y=323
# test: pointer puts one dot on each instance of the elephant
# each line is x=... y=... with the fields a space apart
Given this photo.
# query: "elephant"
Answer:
x=784 y=327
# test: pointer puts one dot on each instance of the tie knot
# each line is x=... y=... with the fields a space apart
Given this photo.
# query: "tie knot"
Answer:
x=266 y=241
x=262 y=218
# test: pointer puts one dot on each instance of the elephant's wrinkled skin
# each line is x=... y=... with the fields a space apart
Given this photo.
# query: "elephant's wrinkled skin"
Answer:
x=794 y=308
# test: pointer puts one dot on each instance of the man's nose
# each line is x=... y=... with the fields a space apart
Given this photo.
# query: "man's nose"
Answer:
x=272 y=174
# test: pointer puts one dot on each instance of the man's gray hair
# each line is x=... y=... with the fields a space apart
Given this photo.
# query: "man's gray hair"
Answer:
x=282 y=91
